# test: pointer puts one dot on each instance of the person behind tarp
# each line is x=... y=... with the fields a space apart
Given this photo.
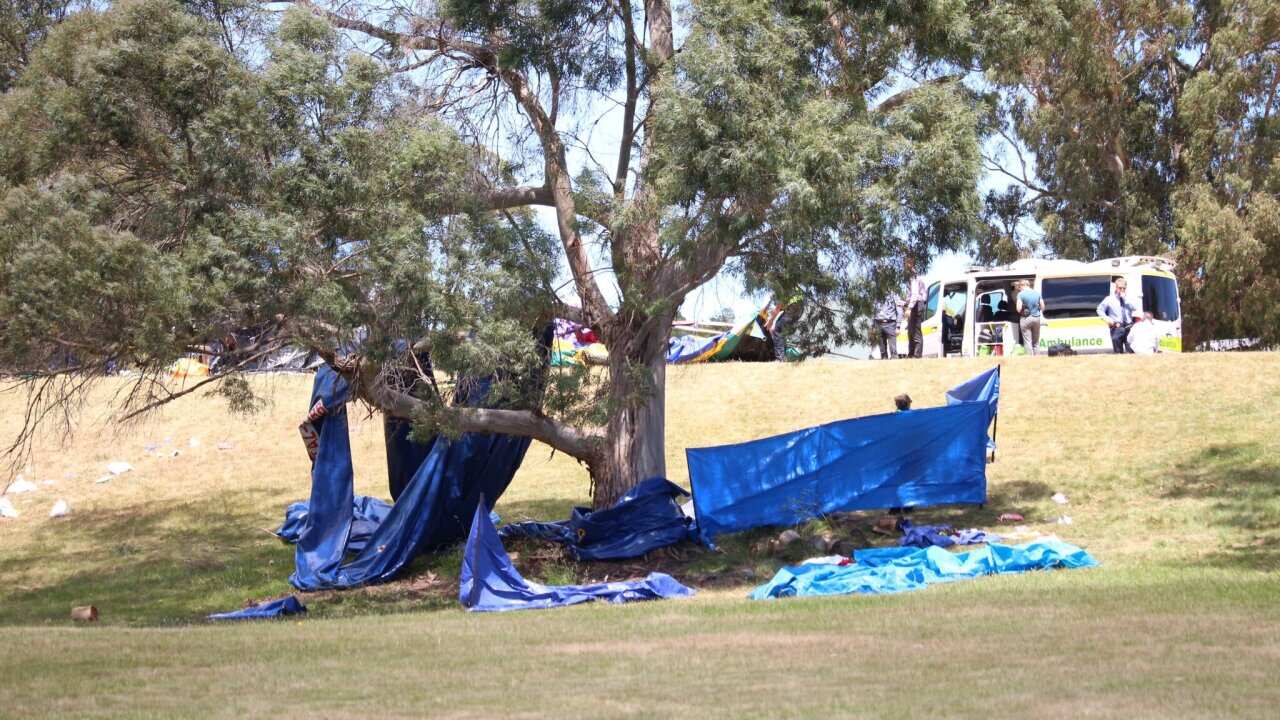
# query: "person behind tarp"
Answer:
x=1118 y=313
x=902 y=404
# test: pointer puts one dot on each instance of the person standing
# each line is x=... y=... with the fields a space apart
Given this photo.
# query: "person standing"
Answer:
x=1030 y=311
x=888 y=315
x=915 y=311
x=777 y=317
x=1118 y=313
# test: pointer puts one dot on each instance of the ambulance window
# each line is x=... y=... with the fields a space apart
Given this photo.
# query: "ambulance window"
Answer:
x=1160 y=297
x=1074 y=296
x=931 y=304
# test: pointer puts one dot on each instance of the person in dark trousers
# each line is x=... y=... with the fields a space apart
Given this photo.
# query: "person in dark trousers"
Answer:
x=888 y=316
x=1118 y=313
x=774 y=323
x=915 y=311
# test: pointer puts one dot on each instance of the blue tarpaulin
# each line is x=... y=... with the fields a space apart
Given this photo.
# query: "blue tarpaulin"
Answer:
x=941 y=535
x=490 y=583
x=897 y=569
x=646 y=518
x=270 y=609
x=343 y=541
x=934 y=456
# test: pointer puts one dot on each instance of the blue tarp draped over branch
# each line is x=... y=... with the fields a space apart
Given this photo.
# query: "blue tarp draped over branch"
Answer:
x=896 y=569
x=933 y=456
x=646 y=518
x=490 y=583
x=344 y=541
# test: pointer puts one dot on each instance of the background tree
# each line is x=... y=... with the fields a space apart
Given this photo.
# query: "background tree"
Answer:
x=188 y=187
x=723 y=315
x=1150 y=127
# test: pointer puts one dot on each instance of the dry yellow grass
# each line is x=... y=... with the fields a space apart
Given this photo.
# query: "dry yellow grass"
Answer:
x=1170 y=464
x=1119 y=435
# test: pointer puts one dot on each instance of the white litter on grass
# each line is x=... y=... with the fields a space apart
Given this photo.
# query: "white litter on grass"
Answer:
x=225 y=445
x=60 y=508
x=825 y=560
x=46 y=482
x=1064 y=520
x=1059 y=498
x=21 y=485
x=171 y=453
x=193 y=442
x=102 y=479
x=7 y=510
x=118 y=467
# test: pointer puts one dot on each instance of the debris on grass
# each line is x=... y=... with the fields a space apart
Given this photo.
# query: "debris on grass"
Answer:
x=1010 y=517
x=787 y=537
x=1064 y=520
x=1059 y=498
x=21 y=485
x=7 y=510
x=118 y=467
x=886 y=525
x=60 y=508
x=193 y=443
x=224 y=445
x=102 y=479
x=84 y=613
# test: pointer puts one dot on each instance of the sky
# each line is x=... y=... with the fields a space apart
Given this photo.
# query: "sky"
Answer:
x=598 y=131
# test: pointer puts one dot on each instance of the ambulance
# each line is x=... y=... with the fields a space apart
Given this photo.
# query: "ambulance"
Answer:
x=975 y=313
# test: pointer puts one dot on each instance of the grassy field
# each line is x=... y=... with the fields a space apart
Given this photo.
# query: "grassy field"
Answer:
x=1171 y=465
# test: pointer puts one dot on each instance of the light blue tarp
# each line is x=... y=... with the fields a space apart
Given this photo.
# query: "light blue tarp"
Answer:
x=934 y=456
x=897 y=569
x=490 y=583
x=343 y=541
x=270 y=609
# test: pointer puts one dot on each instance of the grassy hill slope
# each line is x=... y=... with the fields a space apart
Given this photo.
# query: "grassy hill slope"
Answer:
x=1170 y=463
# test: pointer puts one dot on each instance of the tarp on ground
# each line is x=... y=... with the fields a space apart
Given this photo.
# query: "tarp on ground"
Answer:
x=933 y=456
x=490 y=583
x=270 y=609
x=336 y=547
x=646 y=518
x=897 y=569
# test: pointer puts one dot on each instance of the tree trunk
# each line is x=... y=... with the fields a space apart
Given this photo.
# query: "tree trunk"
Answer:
x=635 y=437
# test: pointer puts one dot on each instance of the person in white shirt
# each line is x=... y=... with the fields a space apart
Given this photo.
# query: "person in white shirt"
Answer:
x=915 y=310
x=1116 y=310
x=1142 y=336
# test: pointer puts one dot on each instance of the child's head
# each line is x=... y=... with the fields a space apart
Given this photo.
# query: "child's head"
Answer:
x=903 y=402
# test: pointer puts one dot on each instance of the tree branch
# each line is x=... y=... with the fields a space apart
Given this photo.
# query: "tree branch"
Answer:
x=583 y=445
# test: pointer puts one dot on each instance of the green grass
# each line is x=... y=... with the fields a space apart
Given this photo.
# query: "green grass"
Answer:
x=1171 y=465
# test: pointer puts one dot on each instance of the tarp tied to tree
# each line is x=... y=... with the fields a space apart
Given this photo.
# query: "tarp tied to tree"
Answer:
x=180 y=177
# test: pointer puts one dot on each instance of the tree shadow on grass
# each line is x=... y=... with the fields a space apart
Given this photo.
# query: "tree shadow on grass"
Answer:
x=1242 y=486
x=154 y=563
